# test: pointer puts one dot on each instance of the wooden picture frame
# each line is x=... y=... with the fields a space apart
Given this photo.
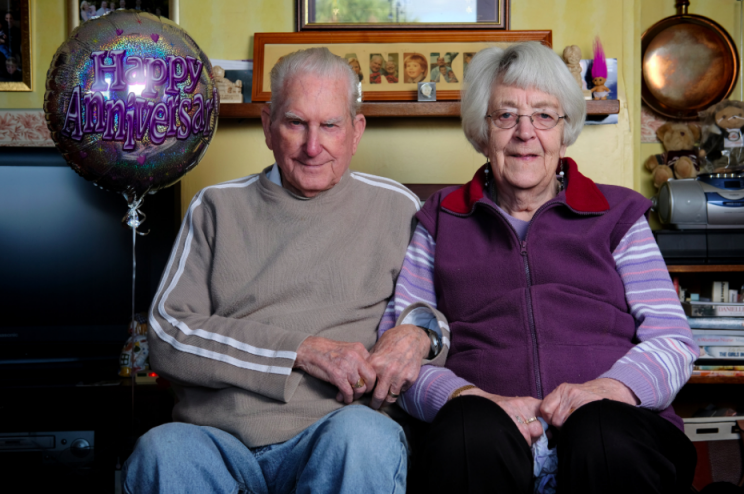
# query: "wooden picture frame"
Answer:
x=452 y=47
x=74 y=15
x=15 y=71
x=493 y=14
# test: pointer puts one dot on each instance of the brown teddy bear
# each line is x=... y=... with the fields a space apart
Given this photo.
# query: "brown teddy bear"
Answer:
x=680 y=160
x=723 y=142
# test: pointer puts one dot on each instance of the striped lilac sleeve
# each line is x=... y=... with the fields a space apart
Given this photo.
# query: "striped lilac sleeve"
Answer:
x=416 y=284
x=415 y=281
x=657 y=368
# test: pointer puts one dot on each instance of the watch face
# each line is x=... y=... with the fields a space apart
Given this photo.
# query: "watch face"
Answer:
x=436 y=342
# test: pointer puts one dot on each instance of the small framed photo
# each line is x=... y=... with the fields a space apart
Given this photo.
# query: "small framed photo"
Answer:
x=82 y=11
x=15 y=46
x=427 y=91
x=390 y=65
x=339 y=15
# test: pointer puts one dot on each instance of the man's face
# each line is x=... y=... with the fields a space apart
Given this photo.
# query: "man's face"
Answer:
x=10 y=67
x=9 y=19
x=313 y=136
x=375 y=63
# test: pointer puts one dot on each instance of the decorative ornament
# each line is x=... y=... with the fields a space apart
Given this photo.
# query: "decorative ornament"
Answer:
x=599 y=72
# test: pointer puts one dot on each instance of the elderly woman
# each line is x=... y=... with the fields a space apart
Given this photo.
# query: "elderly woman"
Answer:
x=553 y=302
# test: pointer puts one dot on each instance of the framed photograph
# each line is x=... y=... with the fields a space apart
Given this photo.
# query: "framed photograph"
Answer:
x=15 y=46
x=389 y=64
x=80 y=11
x=401 y=14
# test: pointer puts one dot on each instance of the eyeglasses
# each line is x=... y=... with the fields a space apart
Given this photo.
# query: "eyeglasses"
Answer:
x=507 y=119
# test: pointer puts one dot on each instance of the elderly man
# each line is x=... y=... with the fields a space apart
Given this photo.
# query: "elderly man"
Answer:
x=266 y=317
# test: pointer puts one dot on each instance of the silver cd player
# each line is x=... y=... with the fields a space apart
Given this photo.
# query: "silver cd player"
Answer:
x=710 y=201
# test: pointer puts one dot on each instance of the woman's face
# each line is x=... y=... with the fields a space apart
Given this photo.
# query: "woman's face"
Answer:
x=355 y=67
x=413 y=69
x=524 y=157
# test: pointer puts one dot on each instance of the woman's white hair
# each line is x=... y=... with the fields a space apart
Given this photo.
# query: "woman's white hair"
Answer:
x=314 y=61
x=527 y=65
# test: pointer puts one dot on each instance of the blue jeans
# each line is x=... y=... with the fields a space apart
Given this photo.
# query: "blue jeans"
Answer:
x=353 y=449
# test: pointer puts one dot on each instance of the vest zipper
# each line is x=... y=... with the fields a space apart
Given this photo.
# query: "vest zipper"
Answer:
x=531 y=319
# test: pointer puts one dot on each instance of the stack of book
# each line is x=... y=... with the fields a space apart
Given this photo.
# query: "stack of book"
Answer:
x=718 y=329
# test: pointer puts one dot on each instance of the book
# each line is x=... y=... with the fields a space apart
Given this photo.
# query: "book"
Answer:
x=718 y=367
x=717 y=332
x=716 y=322
x=718 y=373
x=717 y=339
x=711 y=352
x=713 y=309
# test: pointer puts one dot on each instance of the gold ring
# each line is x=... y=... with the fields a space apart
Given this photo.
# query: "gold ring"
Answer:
x=530 y=420
x=359 y=384
x=393 y=395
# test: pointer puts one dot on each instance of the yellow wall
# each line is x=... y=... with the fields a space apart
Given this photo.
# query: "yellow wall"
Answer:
x=412 y=150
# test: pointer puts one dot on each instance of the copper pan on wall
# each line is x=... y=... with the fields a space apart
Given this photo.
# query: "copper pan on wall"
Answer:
x=689 y=63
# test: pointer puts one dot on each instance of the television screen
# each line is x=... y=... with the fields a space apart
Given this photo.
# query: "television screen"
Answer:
x=66 y=262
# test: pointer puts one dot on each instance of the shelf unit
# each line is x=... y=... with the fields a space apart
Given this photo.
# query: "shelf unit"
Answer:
x=405 y=109
x=707 y=271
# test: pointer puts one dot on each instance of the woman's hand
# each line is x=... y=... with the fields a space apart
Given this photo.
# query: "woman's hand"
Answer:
x=521 y=409
x=558 y=405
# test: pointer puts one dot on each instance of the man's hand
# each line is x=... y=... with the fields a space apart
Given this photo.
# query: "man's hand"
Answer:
x=558 y=405
x=396 y=358
x=520 y=409
x=339 y=363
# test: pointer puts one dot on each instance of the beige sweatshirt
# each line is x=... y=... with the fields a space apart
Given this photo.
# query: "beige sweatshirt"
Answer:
x=256 y=270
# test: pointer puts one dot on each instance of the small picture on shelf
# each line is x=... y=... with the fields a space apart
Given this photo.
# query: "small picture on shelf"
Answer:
x=611 y=83
x=234 y=80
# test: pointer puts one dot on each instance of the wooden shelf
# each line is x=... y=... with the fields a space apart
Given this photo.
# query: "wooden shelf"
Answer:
x=405 y=109
x=716 y=380
x=706 y=268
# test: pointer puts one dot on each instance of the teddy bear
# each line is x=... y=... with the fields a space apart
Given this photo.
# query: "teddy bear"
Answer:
x=680 y=160
x=722 y=142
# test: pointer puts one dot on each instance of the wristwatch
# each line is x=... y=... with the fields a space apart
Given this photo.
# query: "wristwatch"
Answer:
x=436 y=343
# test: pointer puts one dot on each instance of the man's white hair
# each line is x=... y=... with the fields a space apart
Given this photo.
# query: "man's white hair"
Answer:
x=313 y=61
x=529 y=65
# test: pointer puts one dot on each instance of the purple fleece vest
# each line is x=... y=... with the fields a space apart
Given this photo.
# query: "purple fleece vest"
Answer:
x=528 y=316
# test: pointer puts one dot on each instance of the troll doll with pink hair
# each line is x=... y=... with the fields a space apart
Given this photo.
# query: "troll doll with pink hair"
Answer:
x=599 y=72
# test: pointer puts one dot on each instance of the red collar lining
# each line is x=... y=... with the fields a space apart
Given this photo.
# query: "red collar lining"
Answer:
x=582 y=194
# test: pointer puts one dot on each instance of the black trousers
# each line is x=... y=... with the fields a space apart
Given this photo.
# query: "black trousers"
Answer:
x=604 y=447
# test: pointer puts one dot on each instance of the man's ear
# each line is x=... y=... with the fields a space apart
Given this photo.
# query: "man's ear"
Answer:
x=360 y=123
x=266 y=121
